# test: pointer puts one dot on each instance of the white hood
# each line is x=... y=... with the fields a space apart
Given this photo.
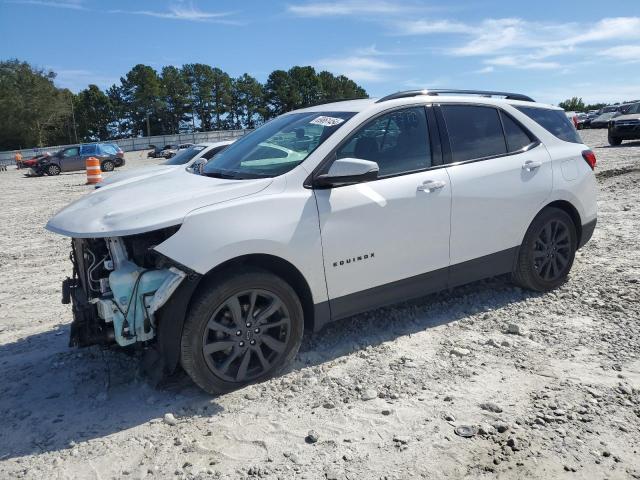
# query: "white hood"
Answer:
x=138 y=207
x=137 y=174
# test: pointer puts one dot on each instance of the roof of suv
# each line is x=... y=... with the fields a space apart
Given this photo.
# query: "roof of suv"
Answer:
x=364 y=104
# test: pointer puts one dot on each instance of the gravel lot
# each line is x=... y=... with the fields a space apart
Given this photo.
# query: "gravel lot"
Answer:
x=552 y=382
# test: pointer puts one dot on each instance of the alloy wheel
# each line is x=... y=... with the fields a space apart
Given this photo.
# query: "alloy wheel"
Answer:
x=552 y=250
x=246 y=335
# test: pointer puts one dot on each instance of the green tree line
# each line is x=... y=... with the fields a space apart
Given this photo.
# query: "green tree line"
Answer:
x=195 y=97
x=576 y=104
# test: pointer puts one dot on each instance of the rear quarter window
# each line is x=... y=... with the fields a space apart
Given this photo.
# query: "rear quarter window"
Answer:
x=88 y=150
x=553 y=121
x=108 y=149
x=517 y=138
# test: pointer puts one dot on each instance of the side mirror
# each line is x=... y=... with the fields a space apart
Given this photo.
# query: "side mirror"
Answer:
x=198 y=166
x=347 y=171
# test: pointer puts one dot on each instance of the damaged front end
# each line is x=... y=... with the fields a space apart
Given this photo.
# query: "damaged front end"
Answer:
x=118 y=287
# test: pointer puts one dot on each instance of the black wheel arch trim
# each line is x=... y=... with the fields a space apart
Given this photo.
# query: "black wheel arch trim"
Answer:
x=587 y=232
x=583 y=231
x=170 y=319
x=172 y=315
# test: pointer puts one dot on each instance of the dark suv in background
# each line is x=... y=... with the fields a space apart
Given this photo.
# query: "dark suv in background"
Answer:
x=625 y=126
x=73 y=158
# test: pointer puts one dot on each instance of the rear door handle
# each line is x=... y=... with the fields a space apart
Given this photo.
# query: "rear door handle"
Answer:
x=530 y=165
x=431 y=186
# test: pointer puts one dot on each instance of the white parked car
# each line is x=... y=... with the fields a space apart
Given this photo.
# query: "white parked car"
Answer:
x=173 y=150
x=323 y=213
x=193 y=157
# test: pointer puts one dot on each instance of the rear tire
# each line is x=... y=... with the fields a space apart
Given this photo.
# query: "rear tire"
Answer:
x=53 y=170
x=241 y=330
x=614 y=141
x=108 y=166
x=547 y=252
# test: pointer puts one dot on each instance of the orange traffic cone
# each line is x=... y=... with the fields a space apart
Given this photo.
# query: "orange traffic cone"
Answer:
x=94 y=174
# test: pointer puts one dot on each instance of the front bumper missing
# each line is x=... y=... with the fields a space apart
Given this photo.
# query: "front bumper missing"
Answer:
x=132 y=306
x=125 y=311
x=87 y=328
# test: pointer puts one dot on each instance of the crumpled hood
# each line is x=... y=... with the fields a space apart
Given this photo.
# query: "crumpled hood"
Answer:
x=138 y=207
x=137 y=174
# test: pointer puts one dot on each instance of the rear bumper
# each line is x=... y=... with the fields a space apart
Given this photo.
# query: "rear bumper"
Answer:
x=587 y=232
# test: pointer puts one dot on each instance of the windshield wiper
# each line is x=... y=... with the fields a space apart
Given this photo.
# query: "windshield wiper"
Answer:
x=220 y=174
x=229 y=174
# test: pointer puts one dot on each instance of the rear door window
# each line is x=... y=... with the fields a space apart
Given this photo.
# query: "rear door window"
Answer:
x=517 y=138
x=553 y=121
x=475 y=132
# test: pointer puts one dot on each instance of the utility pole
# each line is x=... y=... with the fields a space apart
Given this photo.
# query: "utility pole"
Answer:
x=148 y=126
x=73 y=117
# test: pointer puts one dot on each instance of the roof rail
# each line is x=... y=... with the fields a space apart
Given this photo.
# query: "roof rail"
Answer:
x=438 y=91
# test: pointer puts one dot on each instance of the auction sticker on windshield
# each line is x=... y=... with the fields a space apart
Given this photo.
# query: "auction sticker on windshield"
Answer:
x=327 y=121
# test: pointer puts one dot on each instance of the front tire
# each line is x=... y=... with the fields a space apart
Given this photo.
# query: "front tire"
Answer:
x=108 y=166
x=241 y=330
x=547 y=252
x=614 y=141
x=53 y=170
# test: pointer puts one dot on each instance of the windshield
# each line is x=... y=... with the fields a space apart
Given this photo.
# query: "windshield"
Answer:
x=276 y=147
x=184 y=156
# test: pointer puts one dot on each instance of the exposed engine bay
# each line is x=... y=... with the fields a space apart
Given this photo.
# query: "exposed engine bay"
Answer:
x=118 y=285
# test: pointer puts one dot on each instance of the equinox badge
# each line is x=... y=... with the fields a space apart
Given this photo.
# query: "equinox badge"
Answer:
x=359 y=258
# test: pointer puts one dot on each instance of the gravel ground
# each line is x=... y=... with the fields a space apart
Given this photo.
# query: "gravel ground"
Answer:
x=549 y=383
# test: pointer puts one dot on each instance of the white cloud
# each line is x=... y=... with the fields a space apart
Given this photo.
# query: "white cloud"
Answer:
x=626 y=53
x=616 y=28
x=185 y=12
x=357 y=68
x=344 y=8
x=424 y=27
x=496 y=36
x=493 y=36
x=487 y=69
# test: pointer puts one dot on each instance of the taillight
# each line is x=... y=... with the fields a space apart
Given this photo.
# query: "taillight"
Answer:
x=590 y=158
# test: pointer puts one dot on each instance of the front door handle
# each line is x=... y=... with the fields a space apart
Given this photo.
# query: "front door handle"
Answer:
x=530 y=165
x=431 y=186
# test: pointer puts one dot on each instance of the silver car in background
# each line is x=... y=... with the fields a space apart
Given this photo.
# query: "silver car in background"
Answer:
x=192 y=158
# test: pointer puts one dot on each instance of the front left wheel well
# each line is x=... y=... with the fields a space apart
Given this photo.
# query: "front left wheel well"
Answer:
x=278 y=266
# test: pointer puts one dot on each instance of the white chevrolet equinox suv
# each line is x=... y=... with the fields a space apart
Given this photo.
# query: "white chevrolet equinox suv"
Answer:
x=323 y=213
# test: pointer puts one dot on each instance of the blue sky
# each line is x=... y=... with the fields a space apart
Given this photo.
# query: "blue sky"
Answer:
x=550 y=50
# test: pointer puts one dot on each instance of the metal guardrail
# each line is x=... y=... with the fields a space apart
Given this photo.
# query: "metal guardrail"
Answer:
x=133 y=144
